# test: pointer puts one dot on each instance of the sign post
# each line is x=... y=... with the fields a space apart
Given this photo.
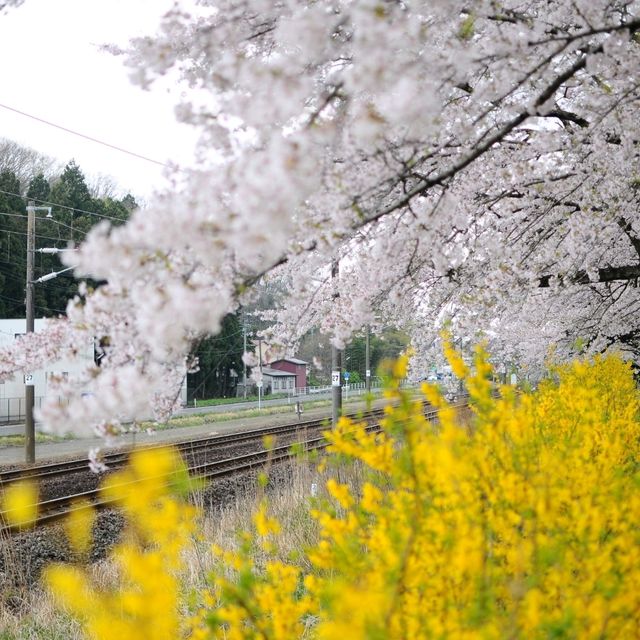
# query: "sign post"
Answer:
x=336 y=356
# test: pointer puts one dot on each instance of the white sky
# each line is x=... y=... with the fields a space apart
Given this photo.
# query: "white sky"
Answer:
x=52 y=68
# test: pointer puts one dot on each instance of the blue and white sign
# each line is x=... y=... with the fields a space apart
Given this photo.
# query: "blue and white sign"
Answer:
x=346 y=376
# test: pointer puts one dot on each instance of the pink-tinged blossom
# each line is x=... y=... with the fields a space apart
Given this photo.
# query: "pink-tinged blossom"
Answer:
x=475 y=165
x=96 y=465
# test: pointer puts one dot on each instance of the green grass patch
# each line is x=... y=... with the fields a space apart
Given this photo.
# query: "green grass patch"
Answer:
x=198 y=419
x=194 y=420
x=41 y=438
x=208 y=418
x=214 y=402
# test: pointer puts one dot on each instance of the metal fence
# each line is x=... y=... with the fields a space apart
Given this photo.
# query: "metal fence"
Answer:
x=356 y=389
x=13 y=409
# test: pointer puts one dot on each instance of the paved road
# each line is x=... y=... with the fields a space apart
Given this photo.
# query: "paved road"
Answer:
x=80 y=447
x=18 y=429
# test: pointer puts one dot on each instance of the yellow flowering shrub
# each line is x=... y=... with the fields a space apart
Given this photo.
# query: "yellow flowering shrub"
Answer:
x=19 y=504
x=146 y=601
x=523 y=524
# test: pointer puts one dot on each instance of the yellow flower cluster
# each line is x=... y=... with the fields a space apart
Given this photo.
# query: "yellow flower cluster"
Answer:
x=523 y=524
x=19 y=502
x=145 y=602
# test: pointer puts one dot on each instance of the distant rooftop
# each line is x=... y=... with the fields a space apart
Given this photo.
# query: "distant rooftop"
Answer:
x=277 y=373
x=293 y=360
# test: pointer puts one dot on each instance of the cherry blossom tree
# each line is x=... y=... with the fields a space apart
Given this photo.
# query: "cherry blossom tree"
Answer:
x=472 y=162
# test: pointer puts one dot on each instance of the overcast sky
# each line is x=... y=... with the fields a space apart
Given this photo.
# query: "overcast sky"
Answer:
x=52 y=68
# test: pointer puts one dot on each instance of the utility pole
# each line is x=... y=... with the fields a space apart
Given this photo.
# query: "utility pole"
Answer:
x=261 y=382
x=367 y=360
x=29 y=426
x=336 y=360
x=244 y=350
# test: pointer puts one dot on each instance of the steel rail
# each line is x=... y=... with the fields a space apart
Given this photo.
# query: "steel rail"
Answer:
x=58 y=508
x=117 y=458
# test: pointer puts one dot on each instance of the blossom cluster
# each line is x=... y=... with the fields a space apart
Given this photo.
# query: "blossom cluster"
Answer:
x=465 y=160
x=521 y=522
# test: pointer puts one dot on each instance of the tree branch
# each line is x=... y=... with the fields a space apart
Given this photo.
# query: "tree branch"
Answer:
x=567 y=116
x=482 y=148
x=606 y=274
x=628 y=231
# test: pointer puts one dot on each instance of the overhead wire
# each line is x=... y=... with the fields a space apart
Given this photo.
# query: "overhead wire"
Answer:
x=63 y=206
x=38 y=235
x=49 y=285
x=50 y=220
x=82 y=135
x=10 y=269
x=21 y=303
x=6 y=271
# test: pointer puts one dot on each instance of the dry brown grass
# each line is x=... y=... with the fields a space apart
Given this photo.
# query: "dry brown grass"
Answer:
x=31 y=614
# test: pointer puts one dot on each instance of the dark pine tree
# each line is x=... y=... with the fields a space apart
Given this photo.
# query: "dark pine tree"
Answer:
x=219 y=357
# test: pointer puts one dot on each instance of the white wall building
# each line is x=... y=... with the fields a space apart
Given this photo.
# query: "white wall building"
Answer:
x=12 y=407
x=12 y=402
x=276 y=381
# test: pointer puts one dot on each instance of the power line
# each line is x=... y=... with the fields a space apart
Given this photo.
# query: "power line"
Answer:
x=51 y=220
x=13 y=215
x=14 y=265
x=52 y=238
x=52 y=287
x=21 y=303
x=86 y=137
x=63 y=206
x=10 y=268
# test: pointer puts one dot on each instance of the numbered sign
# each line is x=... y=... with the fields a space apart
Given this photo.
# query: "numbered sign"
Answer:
x=28 y=379
x=368 y=373
x=335 y=378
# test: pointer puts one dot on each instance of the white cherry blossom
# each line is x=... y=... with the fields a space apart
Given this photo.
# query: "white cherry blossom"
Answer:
x=467 y=162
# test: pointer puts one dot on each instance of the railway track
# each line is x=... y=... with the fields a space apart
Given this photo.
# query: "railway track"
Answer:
x=119 y=458
x=56 y=509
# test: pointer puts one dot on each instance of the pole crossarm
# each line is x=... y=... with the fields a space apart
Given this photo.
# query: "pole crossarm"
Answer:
x=32 y=209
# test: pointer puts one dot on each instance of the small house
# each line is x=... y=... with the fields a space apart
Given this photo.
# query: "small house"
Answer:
x=293 y=366
x=276 y=381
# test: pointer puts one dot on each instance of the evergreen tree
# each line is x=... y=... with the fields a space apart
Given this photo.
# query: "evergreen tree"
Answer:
x=69 y=223
x=39 y=189
x=219 y=358
x=13 y=248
